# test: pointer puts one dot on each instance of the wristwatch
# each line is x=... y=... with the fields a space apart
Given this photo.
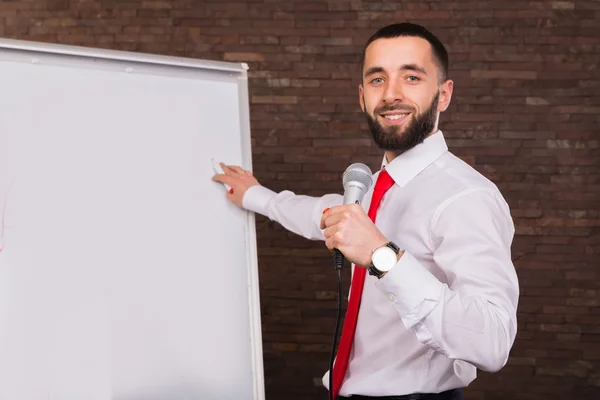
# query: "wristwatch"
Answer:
x=383 y=259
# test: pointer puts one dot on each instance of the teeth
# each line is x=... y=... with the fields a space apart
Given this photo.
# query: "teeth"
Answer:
x=395 y=116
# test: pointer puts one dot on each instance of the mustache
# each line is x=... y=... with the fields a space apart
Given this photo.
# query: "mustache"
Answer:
x=393 y=107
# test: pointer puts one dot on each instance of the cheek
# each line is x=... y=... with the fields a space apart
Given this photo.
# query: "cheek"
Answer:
x=371 y=99
x=419 y=104
x=370 y=105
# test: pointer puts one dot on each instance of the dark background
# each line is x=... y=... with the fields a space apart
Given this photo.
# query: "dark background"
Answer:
x=525 y=113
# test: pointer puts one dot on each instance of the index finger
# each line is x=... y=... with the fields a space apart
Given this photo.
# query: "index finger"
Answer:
x=223 y=179
x=326 y=214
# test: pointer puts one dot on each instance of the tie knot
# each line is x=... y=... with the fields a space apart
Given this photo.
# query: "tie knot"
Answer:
x=384 y=182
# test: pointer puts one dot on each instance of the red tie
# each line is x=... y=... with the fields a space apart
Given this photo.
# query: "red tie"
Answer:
x=384 y=182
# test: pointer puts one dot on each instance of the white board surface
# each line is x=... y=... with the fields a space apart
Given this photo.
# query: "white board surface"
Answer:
x=124 y=271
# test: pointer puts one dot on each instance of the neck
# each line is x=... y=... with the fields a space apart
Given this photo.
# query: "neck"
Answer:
x=390 y=155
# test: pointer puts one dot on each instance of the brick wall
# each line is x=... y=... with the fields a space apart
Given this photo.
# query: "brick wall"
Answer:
x=525 y=113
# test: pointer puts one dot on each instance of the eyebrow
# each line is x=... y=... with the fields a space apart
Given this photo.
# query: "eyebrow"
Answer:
x=405 y=67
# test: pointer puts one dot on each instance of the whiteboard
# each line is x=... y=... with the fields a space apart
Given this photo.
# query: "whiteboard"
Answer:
x=124 y=271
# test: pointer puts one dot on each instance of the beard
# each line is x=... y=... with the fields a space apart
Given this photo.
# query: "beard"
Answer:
x=392 y=139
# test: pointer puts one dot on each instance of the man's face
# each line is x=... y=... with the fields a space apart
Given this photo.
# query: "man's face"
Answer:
x=400 y=92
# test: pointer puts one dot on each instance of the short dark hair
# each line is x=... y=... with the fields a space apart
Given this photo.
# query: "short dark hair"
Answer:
x=408 y=29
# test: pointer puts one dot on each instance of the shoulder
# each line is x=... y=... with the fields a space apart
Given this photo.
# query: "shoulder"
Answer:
x=461 y=175
x=464 y=191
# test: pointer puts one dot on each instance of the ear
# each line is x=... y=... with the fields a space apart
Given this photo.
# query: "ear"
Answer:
x=361 y=97
x=445 y=95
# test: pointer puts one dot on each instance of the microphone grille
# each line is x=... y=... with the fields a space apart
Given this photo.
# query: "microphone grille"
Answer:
x=358 y=172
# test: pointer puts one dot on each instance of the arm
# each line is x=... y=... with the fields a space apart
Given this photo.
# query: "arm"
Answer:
x=473 y=317
x=297 y=213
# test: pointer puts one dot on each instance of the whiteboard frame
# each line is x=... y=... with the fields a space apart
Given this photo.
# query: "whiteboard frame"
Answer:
x=13 y=49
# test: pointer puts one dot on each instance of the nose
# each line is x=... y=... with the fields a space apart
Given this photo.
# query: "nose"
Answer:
x=393 y=92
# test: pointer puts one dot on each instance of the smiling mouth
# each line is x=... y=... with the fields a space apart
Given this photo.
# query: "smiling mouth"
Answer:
x=395 y=117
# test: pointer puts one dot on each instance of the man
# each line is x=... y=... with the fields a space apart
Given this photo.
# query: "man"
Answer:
x=445 y=303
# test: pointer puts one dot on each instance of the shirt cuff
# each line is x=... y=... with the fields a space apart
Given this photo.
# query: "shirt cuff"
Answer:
x=257 y=199
x=411 y=288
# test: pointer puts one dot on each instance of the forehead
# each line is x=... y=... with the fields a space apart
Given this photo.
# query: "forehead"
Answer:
x=391 y=53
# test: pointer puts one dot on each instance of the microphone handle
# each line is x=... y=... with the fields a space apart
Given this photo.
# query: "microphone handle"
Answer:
x=338 y=259
x=353 y=193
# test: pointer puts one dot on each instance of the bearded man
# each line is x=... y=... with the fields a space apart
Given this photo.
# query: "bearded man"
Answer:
x=434 y=291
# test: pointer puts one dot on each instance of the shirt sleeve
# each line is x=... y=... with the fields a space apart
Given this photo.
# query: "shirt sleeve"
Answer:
x=297 y=213
x=472 y=317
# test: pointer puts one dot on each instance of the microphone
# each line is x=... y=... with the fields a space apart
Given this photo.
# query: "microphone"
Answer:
x=357 y=180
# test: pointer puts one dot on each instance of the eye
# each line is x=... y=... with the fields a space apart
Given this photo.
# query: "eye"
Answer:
x=413 y=78
x=376 y=80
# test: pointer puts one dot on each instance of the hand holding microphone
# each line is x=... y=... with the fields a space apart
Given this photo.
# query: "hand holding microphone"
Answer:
x=351 y=231
x=348 y=228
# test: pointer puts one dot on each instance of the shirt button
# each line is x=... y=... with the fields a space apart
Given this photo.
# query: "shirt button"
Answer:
x=391 y=297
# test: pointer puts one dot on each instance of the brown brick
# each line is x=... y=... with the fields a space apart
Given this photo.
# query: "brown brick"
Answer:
x=504 y=74
x=243 y=57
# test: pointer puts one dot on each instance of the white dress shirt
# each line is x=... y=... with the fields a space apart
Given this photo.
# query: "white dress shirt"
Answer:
x=449 y=305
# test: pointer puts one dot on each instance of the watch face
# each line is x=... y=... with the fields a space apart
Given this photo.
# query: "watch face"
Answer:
x=384 y=258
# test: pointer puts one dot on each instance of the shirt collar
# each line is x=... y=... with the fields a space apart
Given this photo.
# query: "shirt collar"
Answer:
x=412 y=162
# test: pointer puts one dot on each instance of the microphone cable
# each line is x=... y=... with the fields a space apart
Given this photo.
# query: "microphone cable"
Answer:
x=338 y=259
